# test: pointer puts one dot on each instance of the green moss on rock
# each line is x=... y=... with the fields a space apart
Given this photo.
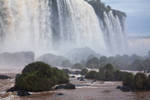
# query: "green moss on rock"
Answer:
x=39 y=76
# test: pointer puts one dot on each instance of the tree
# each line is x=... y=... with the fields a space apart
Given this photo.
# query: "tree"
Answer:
x=93 y=63
x=92 y=75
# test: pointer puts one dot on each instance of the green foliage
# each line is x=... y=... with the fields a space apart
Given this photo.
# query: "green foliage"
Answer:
x=92 y=75
x=39 y=76
x=140 y=81
x=106 y=73
x=128 y=79
x=93 y=63
x=148 y=82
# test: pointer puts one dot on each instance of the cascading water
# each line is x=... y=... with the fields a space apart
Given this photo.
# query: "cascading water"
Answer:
x=54 y=26
x=79 y=25
x=114 y=34
x=27 y=24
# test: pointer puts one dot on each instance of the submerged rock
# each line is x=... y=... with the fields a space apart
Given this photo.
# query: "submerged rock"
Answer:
x=81 y=78
x=59 y=94
x=60 y=87
x=70 y=86
x=119 y=87
x=12 y=89
x=66 y=86
x=124 y=88
x=23 y=93
x=4 y=77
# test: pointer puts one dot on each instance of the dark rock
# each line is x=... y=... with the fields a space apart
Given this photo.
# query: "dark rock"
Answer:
x=125 y=88
x=12 y=89
x=66 y=86
x=70 y=86
x=93 y=81
x=60 y=87
x=77 y=72
x=119 y=87
x=23 y=93
x=4 y=77
x=59 y=94
x=72 y=76
x=81 y=78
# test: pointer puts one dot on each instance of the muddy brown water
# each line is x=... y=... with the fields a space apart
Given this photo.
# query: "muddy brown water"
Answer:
x=85 y=91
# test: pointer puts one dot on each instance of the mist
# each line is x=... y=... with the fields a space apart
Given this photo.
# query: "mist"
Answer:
x=72 y=30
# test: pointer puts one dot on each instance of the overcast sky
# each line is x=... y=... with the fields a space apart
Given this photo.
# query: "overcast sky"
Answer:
x=138 y=15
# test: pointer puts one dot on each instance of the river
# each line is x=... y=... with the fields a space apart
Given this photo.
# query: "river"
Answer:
x=86 y=90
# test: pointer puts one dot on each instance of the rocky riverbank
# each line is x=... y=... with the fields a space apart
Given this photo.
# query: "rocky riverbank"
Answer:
x=85 y=90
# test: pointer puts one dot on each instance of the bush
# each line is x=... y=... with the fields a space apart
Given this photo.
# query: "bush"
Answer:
x=128 y=79
x=106 y=73
x=148 y=82
x=92 y=75
x=140 y=81
x=39 y=76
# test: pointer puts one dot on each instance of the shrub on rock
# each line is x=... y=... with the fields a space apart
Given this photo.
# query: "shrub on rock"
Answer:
x=39 y=76
x=128 y=80
x=140 y=81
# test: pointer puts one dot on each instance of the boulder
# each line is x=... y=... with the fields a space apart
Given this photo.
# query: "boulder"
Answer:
x=70 y=86
x=81 y=78
x=60 y=87
x=125 y=88
x=119 y=87
x=23 y=93
x=4 y=77
x=12 y=89
x=65 y=86
x=59 y=94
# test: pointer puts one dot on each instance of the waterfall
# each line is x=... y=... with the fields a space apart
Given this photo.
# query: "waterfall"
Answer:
x=27 y=24
x=79 y=25
x=55 y=26
x=114 y=33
